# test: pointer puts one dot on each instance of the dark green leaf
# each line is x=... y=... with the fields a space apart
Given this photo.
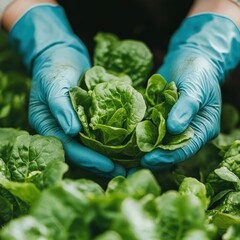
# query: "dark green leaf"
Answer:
x=123 y=56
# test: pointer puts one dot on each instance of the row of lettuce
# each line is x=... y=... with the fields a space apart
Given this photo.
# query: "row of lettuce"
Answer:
x=38 y=202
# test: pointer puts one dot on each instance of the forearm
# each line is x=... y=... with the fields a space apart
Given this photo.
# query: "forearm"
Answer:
x=41 y=27
x=17 y=8
x=223 y=7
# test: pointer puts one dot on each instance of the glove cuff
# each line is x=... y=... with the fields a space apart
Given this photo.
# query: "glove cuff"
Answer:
x=211 y=35
x=40 y=28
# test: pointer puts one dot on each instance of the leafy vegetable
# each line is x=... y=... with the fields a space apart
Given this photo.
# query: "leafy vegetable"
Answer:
x=28 y=163
x=179 y=214
x=136 y=186
x=120 y=122
x=226 y=175
x=129 y=56
x=193 y=186
x=109 y=123
x=80 y=209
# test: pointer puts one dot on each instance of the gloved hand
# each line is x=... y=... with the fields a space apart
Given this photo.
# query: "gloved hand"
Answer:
x=57 y=59
x=201 y=53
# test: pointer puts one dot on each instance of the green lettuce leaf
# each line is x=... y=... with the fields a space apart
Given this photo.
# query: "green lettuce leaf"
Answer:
x=33 y=153
x=128 y=56
x=29 y=164
x=179 y=214
x=98 y=74
x=191 y=185
x=136 y=185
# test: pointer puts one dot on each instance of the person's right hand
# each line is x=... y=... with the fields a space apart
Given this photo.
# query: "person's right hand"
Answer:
x=57 y=59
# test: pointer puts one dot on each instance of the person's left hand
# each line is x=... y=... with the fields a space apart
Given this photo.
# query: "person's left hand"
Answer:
x=199 y=57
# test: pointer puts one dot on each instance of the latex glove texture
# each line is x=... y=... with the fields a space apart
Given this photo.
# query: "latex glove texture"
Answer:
x=57 y=59
x=201 y=53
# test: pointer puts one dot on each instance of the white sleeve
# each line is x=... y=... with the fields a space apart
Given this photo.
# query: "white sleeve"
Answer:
x=3 y=5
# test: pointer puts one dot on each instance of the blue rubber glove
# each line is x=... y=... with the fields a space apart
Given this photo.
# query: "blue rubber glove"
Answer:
x=57 y=59
x=202 y=52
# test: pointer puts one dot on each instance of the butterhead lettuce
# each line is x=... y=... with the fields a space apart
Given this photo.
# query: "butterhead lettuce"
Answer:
x=119 y=121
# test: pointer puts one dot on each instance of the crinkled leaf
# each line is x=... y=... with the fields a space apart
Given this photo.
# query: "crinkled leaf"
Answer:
x=231 y=162
x=230 y=204
x=171 y=93
x=81 y=100
x=118 y=118
x=108 y=97
x=123 y=56
x=171 y=96
x=80 y=97
x=32 y=153
x=178 y=138
x=104 y=42
x=98 y=74
x=7 y=140
x=50 y=176
x=4 y=172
